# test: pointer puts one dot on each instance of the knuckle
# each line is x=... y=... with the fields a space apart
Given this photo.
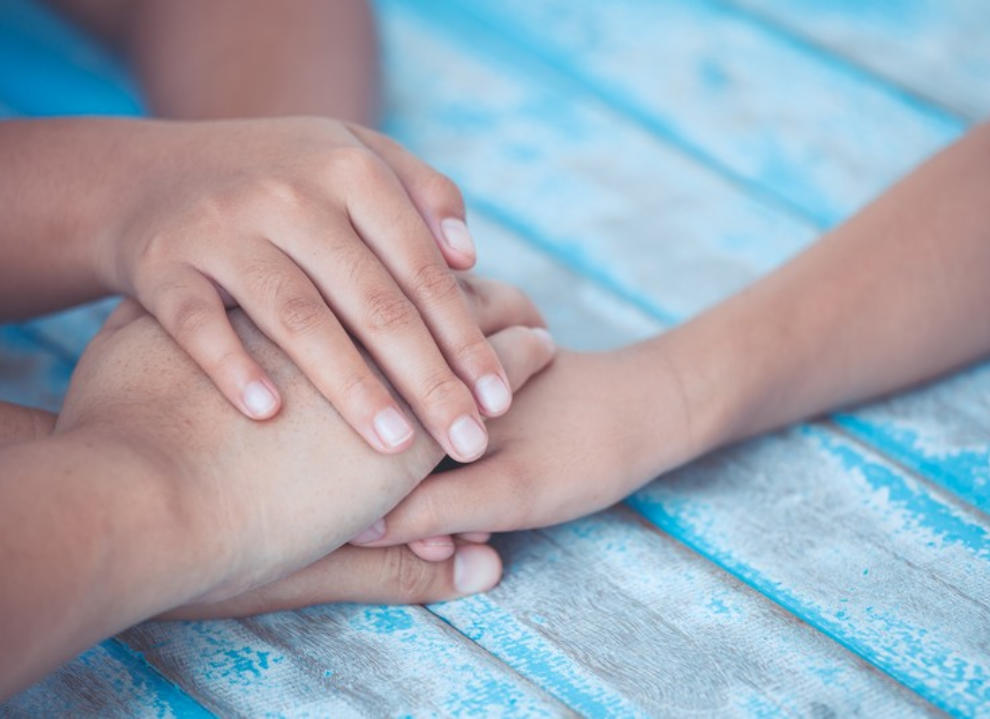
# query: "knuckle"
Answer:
x=301 y=314
x=190 y=316
x=389 y=311
x=355 y=162
x=354 y=260
x=434 y=282
x=358 y=385
x=281 y=192
x=476 y=352
x=443 y=388
x=440 y=191
x=407 y=574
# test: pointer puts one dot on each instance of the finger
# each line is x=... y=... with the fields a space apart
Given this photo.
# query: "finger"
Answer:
x=438 y=200
x=287 y=307
x=395 y=231
x=188 y=307
x=433 y=549
x=393 y=575
x=376 y=310
x=438 y=549
x=524 y=351
x=496 y=305
x=475 y=537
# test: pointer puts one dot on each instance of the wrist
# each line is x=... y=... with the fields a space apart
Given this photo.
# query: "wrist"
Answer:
x=686 y=393
x=155 y=542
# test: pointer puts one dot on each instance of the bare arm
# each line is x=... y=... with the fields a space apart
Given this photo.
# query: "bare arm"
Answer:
x=894 y=296
x=238 y=58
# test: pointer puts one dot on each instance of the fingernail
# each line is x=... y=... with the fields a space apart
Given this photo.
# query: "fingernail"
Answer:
x=372 y=533
x=259 y=400
x=468 y=437
x=493 y=393
x=545 y=336
x=441 y=541
x=457 y=236
x=391 y=427
x=475 y=570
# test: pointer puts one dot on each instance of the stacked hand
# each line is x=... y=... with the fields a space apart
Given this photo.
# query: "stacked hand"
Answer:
x=264 y=504
x=319 y=231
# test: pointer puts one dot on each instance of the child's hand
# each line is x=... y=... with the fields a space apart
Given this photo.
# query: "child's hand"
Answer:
x=319 y=231
x=257 y=500
x=572 y=444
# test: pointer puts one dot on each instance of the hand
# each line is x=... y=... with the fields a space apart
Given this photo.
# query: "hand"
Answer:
x=391 y=575
x=316 y=229
x=573 y=444
x=262 y=500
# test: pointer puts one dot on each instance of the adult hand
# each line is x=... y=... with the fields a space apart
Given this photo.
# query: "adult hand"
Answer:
x=319 y=231
x=263 y=500
x=390 y=575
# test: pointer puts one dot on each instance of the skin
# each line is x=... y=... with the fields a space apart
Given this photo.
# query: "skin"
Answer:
x=323 y=231
x=142 y=501
x=893 y=297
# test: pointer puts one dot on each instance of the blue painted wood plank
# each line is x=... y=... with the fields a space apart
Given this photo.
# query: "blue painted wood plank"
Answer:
x=618 y=621
x=851 y=545
x=938 y=49
x=340 y=661
x=109 y=681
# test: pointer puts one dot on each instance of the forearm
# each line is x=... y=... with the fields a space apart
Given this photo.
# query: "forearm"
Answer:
x=895 y=296
x=90 y=543
x=63 y=184
x=244 y=58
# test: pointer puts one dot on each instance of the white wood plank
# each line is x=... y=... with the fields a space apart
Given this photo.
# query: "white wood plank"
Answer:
x=939 y=49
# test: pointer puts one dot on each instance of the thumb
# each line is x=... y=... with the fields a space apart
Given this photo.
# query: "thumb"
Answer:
x=487 y=495
x=390 y=575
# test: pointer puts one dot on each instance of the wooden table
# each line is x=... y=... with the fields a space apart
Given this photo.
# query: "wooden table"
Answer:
x=628 y=163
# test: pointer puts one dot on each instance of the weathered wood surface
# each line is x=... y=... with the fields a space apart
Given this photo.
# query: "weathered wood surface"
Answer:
x=934 y=49
x=627 y=183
